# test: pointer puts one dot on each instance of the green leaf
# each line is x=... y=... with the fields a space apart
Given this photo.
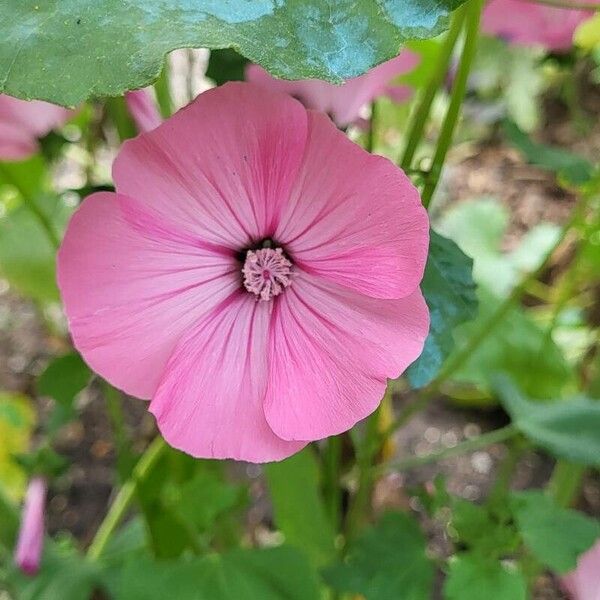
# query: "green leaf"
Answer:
x=470 y=576
x=64 y=378
x=272 y=574
x=556 y=536
x=27 y=257
x=568 y=429
x=481 y=530
x=478 y=227
x=386 y=561
x=67 y=50
x=450 y=294
x=518 y=347
x=575 y=169
x=299 y=510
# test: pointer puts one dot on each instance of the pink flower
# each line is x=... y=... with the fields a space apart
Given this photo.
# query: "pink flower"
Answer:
x=343 y=102
x=142 y=108
x=22 y=122
x=584 y=582
x=526 y=23
x=28 y=552
x=256 y=275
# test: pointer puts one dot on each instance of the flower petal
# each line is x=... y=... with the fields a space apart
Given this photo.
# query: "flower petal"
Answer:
x=222 y=166
x=355 y=218
x=331 y=351
x=15 y=142
x=210 y=400
x=131 y=286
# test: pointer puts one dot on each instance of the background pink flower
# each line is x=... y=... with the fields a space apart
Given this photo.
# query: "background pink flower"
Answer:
x=256 y=275
x=584 y=582
x=142 y=107
x=343 y=102
x=28 y=552
x=22 y=122
x=530 y=24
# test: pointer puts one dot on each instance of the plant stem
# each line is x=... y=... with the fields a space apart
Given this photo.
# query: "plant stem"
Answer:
x=365 y=455
x=31 y=205
x=125 y=497
x=125 y=455
x=482 y=441
x=565 y=482
x=473 y=15
x=331 y=478
x=415 y=133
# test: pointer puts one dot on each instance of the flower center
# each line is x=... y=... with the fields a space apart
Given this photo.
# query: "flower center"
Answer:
x=267 y=272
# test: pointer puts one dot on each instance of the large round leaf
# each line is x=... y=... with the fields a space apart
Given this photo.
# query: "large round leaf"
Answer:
x=68 y=50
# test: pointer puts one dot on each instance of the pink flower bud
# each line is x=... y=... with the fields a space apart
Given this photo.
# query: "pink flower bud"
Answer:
x=31 y=536
x=143 y=110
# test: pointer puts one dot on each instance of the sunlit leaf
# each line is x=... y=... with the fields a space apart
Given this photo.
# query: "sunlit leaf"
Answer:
x=67 y=50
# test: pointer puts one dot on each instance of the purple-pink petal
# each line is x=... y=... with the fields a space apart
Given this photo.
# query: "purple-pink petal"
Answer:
x=22 y=122
x=528 y=23
x=28 y=552
x=143 y=109
x=584 y=582
x=343 y=102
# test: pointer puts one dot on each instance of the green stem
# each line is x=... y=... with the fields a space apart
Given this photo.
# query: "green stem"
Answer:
x=163 y=93
x=125 y=497
x=565 y=482
x=331 y=476
x=498 y=493
x=31 y=205
x=459 y=90
x=366 y=453
x=415 y=133
x=482 y=441
x=125 y=455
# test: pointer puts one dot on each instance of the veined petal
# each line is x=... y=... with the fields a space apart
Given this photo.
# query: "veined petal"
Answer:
x=210 y=399
x=222 y=166
x=331 y=351
x=355 y=218
x=131 y=286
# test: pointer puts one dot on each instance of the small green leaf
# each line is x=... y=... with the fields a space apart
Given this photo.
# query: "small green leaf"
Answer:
x=481 y=530
x=575 y=169
x=64 y=378
x=556 y=536
x=386 y=561
x=471 y=577
x=27 y=255
x=568 y=429
x=299 y=510
x=65 y=51
x=272 y=574
x=450 y=294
